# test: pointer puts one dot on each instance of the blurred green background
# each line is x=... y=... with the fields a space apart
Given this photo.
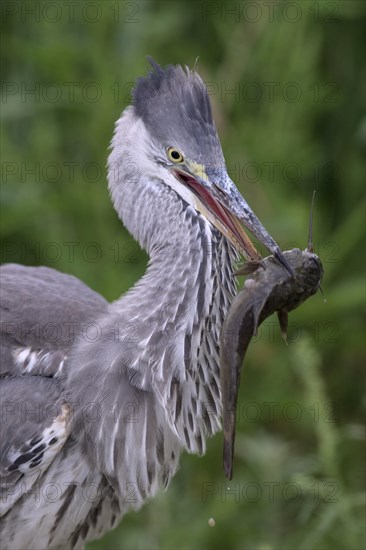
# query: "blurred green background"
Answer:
x=286 y=81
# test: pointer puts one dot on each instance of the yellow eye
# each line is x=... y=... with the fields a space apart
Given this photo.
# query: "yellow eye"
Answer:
x=174 y=155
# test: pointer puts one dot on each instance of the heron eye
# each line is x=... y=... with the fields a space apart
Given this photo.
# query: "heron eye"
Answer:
x=174 y=155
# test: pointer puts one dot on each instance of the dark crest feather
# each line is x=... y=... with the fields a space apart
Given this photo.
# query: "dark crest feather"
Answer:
x=175 y=107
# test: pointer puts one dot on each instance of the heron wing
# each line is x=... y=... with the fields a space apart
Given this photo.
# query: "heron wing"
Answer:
x=43 y=312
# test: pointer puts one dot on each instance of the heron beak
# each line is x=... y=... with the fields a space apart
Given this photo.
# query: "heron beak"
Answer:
x=219 y=200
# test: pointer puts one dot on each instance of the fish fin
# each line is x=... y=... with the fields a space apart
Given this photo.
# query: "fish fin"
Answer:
x=283 y=321
x=248 y=267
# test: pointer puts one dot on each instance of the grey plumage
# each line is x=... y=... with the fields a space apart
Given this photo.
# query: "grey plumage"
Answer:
x=43 y=309
x=43 y=314
x=115 y=407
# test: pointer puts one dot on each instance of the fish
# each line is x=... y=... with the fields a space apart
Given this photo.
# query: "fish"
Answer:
x=268 y=288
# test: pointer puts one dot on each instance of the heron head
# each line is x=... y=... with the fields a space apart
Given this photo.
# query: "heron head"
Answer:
x=180 y=146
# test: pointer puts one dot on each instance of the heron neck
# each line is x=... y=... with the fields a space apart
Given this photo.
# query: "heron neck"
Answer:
x=176 y=311
x=190 y=269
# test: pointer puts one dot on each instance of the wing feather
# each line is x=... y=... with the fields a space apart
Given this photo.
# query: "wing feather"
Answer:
x=43 y=313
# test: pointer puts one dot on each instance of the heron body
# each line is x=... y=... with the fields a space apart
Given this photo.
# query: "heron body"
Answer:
x=94 y=426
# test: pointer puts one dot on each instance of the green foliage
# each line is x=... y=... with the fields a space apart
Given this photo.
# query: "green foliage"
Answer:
x=287 y=87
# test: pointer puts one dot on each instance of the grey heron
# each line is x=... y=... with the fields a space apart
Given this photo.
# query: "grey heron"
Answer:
x=93 y=427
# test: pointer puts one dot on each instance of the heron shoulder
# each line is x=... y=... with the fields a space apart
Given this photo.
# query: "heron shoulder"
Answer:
x=43 y=312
